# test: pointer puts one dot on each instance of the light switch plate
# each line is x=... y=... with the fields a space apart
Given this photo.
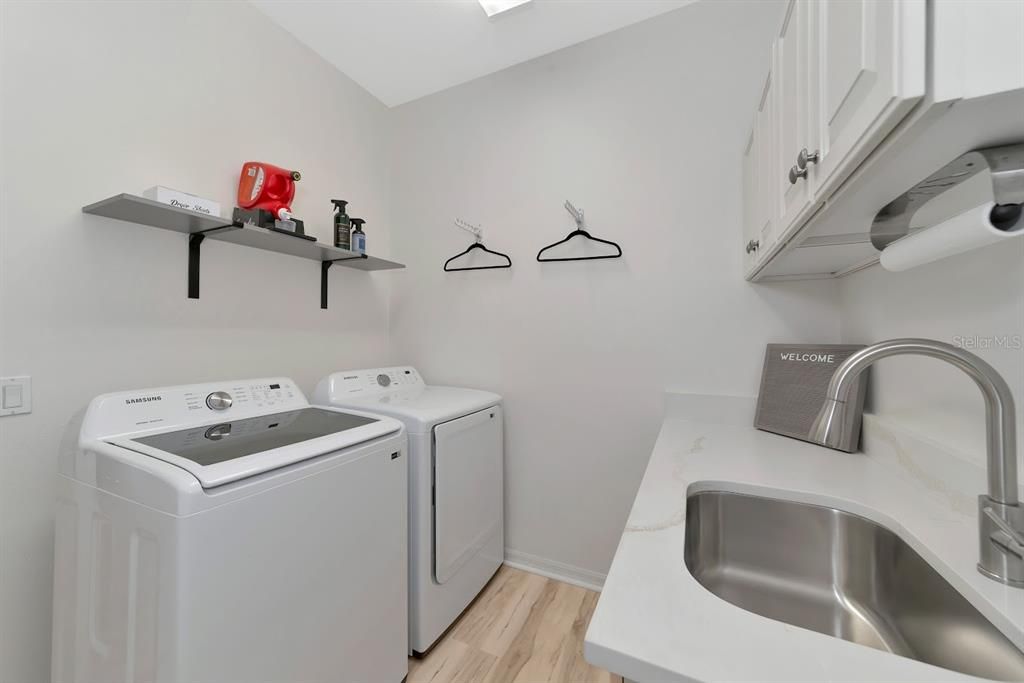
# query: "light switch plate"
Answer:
x=15 y=395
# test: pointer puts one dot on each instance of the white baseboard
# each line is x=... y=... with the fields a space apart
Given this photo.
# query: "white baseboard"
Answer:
x=559 y=571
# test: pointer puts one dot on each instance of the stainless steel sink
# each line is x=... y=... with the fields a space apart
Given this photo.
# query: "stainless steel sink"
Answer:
x=842 y=575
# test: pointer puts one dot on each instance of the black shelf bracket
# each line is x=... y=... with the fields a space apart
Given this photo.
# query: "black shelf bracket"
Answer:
x=195 y=239
x=326 y=266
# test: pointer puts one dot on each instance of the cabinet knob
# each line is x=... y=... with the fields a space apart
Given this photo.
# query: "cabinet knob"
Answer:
x=752 y=245
x=796 y=173
x=804 y=158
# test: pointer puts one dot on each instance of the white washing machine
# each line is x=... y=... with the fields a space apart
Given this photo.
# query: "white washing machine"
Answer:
x=231 y=532
x=456 y=494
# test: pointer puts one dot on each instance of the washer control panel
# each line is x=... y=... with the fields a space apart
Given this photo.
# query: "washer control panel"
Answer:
x=373 y=381
x=243 y=395
x=190 y=404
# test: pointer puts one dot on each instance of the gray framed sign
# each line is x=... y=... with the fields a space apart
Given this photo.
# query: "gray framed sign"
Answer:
x=793 y=385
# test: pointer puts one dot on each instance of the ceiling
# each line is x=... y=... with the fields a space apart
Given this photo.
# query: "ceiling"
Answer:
x=401 y=50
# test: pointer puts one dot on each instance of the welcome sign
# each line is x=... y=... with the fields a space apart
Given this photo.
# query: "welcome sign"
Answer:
x=793 y=385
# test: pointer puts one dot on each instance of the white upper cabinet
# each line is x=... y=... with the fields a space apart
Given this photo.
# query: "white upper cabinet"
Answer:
x=797 y=129
x=871 y=72
x=759 y=176
x=859 y=105
x=975 y=52
x=767 y=197
x=750 y=221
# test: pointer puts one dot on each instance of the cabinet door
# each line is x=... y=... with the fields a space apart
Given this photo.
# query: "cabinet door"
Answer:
x=796 y=110
x=760 y=199
x=871 y=72
x=751 y=224
x=764 y=155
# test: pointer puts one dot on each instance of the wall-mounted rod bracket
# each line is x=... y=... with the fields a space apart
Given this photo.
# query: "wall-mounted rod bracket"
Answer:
x=577 y=214
x=1004 y=163
x=474 y=230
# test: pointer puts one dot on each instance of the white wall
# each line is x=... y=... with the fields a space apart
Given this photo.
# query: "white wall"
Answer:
x=974 y=298
x=643 y=128
x=108 y=97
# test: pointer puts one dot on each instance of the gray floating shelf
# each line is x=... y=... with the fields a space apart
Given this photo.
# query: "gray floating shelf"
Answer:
x=127 y=207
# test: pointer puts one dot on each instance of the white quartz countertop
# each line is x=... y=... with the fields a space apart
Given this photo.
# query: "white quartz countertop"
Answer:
x=655 y=623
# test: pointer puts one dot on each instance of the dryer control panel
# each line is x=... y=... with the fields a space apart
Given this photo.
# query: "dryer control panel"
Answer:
x=373 y=381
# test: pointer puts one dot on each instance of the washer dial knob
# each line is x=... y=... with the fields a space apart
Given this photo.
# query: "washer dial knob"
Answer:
x=383 y=380
x=218 y=400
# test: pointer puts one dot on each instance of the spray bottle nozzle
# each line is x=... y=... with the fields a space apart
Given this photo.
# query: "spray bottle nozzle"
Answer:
x=339 y=204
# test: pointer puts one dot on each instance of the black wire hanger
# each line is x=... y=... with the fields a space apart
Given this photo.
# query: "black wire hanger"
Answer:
x=478 y=244
x=577 y=215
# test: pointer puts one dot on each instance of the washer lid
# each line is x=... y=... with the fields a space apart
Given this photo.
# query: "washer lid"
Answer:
x=421 y=408
x=223 y=452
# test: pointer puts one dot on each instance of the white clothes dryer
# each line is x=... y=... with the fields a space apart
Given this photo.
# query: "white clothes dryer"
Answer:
x=456 y=486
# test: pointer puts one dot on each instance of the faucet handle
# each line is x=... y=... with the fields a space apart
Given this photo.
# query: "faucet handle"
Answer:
x=1007 y=538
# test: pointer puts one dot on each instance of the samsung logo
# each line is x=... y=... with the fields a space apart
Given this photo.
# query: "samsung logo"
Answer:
x=143 y=399
x=808 y=357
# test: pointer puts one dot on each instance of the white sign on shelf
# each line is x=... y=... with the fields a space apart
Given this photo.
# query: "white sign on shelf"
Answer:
x=183 y=200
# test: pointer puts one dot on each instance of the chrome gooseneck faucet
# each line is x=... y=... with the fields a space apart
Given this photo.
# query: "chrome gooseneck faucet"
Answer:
x=1000 y=515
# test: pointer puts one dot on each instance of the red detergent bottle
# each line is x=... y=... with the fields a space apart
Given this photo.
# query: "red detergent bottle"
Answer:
x=268 y=187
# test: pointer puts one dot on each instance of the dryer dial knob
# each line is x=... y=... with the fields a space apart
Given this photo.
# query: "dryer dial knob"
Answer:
x=218 y=400
x=383 y=380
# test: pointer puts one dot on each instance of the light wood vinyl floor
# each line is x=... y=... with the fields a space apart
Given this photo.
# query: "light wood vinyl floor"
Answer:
x=522 y=628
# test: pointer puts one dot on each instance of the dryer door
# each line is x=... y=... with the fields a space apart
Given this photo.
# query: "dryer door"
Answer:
x=468 y=489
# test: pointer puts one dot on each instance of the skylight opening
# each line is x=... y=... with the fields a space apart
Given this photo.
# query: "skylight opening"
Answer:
x=496 y=7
